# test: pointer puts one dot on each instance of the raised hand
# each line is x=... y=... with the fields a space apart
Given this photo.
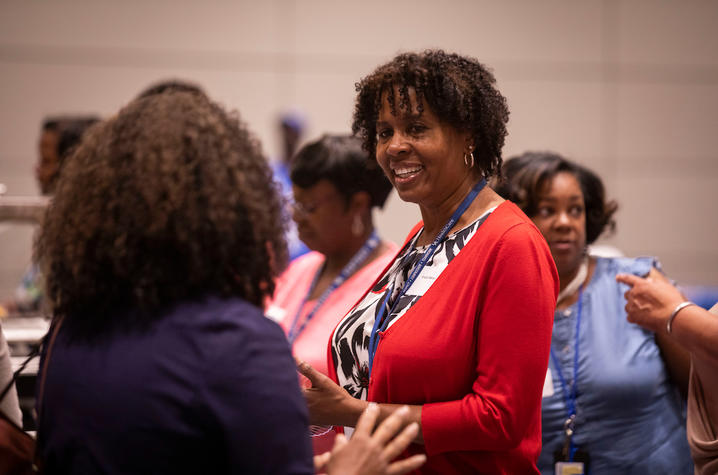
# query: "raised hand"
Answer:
x=372 y=454
x=328 y=403
x=650 y=300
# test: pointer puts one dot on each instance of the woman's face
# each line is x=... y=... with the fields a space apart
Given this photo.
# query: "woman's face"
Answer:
x=422 y=156
x=48 y=163
x=561 y=218
x=323 y=216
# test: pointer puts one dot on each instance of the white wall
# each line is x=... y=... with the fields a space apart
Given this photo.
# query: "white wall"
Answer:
x=629 y=88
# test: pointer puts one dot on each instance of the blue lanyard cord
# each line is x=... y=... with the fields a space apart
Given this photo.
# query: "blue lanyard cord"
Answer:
x=569 y=396
x=352 y=266
x=380 y=322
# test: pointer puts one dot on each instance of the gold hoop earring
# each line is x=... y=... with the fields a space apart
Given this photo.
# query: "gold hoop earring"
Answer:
x=466 y=159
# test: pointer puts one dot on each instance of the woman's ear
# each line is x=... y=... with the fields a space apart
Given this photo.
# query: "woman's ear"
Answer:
x=469 y=145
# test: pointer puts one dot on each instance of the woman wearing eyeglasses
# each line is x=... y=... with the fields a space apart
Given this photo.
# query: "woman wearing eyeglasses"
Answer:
x=335 y=187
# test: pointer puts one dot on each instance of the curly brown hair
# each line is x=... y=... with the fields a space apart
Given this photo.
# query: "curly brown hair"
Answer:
x=458 y=89
x=526 y=175
x=169 y=200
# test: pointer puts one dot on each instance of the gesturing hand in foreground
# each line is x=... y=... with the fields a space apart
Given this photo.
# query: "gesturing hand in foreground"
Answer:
x=370 y=453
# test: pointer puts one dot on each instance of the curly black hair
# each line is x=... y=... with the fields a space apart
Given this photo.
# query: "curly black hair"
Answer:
x=340 y=160
x=169 y=200
x=458 y=89
x=71 y=130
x=171 y=85
x=526 y=175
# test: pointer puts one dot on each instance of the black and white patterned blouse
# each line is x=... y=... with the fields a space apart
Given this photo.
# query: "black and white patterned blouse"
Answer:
x=350 y=341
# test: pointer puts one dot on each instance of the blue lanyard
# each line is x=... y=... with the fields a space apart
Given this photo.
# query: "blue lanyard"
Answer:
x=570 y=396
x=352 y=266
x=381 y=323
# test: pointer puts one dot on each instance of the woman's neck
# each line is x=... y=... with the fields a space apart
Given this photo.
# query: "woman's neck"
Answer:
x=335 y=261
x=567 y=277
x=435 y=218
x=568 y=289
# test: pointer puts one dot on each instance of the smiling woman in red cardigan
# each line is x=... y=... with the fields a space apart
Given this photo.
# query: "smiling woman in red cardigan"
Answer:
x=458 y=326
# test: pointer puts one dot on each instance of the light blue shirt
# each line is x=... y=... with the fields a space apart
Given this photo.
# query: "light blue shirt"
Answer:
x=629 y=417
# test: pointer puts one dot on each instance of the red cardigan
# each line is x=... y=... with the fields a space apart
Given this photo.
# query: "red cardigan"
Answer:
x=473 y=351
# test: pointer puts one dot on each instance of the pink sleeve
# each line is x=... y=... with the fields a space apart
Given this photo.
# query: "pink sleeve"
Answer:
x=517 y=297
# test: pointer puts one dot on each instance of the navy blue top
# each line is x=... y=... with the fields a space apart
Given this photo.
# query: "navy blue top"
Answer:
x=628 y=414
x=211 y=388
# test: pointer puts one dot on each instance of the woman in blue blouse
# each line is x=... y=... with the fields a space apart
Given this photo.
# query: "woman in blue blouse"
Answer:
x=610 y=405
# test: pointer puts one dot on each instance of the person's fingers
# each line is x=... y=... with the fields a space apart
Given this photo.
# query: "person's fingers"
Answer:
x=629 y=313
x=367 y=420
x=406 y=465
x=657 y=276
x=303 y=367
x=401 y=441
x=339 y=441
x=314 y=376
x=321 y=461
x=628 y=279
x=391 y=425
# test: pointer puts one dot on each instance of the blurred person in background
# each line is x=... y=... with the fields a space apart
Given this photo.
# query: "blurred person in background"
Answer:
x=48 y=163
x=458 y=326
x=657 y=305
x=58 y=139
x=160 y=247
x=292 y=125
x=336 y=187
x=9 y=404
x=610 y=400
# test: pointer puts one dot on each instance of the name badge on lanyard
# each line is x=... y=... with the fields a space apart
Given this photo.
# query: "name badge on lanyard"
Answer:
x=570 y=459
x=569 y=468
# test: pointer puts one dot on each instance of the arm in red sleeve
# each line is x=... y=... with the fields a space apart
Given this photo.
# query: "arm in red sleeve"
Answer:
x=516 y=288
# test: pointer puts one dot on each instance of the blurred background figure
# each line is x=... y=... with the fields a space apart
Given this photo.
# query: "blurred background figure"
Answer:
x=336 y=185
x=48 y=163
x=657 y=305
x=610 y=397
x=292 y=124
x=9 y=404
x=58 y=138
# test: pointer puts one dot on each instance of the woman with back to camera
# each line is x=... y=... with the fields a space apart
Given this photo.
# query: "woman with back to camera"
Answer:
x=458 y=326
x=160 y=248
x=335 y=189
x=609 y=378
